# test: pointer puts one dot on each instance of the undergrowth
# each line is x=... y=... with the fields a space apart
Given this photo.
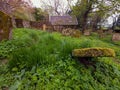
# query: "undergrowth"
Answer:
x=42 y=61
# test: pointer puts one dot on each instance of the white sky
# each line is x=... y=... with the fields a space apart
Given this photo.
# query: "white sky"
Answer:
x=36 y=3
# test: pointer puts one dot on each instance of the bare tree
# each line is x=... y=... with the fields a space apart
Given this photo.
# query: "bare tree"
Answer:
x=55 y=7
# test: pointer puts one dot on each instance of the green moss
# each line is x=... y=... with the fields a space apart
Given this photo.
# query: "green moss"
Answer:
x=93 y=52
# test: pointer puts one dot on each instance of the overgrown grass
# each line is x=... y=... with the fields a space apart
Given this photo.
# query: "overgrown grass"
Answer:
x=42 y=61
x=46 y=51
x=21 y=38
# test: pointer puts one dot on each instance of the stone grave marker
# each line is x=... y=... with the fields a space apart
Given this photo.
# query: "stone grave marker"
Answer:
x=87 y=32
x=116 y=37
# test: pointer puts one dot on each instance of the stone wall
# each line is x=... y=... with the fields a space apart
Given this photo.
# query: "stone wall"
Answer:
x=5 y=26
x=39 y=25
x=26 y=24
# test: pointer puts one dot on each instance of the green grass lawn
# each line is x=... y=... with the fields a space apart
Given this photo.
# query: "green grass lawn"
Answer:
x=39 y=60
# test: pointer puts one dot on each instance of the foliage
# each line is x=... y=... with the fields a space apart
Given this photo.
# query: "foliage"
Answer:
x=39 y=14
x=44 y=62
x=94 y=13
x=45 y=52
x=84 y=7
x=20 y=39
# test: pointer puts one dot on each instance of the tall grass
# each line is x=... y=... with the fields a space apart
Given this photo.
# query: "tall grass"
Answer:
x=47 y=50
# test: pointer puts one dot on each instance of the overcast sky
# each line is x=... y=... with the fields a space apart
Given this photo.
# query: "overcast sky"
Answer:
x=36 y=3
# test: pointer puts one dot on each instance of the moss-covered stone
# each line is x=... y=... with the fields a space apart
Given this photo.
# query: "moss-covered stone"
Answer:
x=5 y=26
x=71 y=32
x=76 y=33
x=93 y=52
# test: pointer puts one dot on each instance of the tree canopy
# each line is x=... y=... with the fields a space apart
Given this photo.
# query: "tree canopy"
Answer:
x=98 y=10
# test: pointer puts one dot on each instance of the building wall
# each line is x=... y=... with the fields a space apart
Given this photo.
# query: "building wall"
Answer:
x=5 y=26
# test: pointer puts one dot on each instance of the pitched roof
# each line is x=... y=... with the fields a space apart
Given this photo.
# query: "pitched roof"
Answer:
x=63 y=20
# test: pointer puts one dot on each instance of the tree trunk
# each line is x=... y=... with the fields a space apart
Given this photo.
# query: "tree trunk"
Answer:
x=88 y=7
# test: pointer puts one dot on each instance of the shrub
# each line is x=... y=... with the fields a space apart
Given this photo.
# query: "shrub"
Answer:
x=93 y=52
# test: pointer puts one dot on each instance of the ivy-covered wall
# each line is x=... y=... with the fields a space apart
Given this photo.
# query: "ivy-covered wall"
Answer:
x=5 y=26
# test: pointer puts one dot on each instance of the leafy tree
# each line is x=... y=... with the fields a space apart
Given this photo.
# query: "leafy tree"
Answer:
x=82 y=10
x=39 y=14
x=98 y=14
x=95 y=10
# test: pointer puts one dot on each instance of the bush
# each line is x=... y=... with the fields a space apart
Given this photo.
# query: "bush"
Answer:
x=93 y=52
